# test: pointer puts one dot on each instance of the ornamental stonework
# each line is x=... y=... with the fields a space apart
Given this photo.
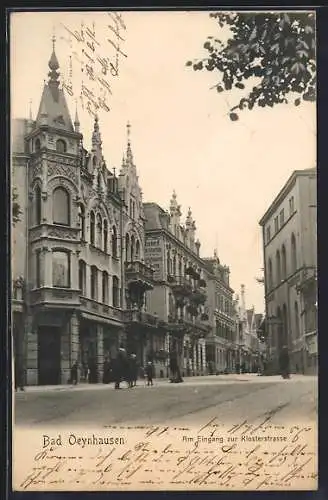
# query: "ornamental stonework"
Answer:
x=62 y=233
x=55 y=170
x=37 y=170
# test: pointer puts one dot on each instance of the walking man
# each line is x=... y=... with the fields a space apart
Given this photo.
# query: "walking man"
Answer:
x=149 y=373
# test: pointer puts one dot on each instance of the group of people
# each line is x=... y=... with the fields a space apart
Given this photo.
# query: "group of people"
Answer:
x=125 y=368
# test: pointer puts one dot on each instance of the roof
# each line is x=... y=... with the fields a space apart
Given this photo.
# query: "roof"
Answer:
x=155 y=217
x=53 y=110
x=284 y=192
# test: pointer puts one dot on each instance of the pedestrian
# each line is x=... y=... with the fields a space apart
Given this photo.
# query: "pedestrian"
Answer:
x=74 y=372
x=284 y=362
x=149 y=373
x=18 y=378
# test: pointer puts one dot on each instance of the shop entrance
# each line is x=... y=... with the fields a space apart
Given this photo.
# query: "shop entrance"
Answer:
x=49 y=355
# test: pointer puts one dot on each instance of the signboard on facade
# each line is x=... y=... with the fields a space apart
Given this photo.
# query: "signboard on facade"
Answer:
x=154 y=256
x=312 y=343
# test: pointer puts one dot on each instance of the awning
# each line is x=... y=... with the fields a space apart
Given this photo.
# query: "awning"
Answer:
x=100 y=319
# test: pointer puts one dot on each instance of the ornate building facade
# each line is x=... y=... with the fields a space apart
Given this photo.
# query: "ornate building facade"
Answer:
x=191 y=293
x=78 y=248
x=94 y=268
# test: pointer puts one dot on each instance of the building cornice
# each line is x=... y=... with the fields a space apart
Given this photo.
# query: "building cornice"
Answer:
x=284 y=192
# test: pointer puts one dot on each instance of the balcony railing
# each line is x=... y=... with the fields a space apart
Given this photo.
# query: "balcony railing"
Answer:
x=137 y=270
x=65 y=297
x=105 y=310
x=135 y=316
x=196 y=325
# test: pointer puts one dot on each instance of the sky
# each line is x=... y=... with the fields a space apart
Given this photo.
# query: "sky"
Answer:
x=227 y=172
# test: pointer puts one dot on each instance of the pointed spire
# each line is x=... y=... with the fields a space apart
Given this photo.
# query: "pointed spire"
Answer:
x=96 y=137
x=189 y=220
x=53 y=74
x=76 y=120
x=173 y=203
x=30 y=110
x=129 y=155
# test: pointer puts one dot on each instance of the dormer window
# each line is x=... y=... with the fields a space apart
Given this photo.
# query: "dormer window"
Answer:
x=61 y=146
x=37 y=145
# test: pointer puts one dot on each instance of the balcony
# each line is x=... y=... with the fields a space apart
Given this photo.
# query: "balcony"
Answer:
x=137 y=273
x=195 y=327
x=142 y=318
x=66 y=298
x=90 y=306
x=180 y=285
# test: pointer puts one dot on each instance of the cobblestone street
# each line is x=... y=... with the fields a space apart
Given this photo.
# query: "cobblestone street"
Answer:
x=197 y=399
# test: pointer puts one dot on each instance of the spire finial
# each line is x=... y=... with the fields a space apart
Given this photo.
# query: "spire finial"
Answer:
x=128 y=130
x=129 y=155
x=30 y=110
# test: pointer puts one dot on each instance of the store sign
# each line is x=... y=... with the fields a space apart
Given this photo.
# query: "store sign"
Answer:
x=312 y=344
x=154 y=256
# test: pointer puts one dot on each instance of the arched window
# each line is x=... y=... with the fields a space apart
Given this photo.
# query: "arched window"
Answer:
x=284 y=263
x=293 y=253
x=270 y=274
x=105 y=236
x=61 y=272
x=127 y=247
x=92 y=228
x=82 y=277
x=116 y=297
x=37 y=145
x=82 y=221
x=37 y=205
x=94 y=282
x=278 y=267
x=137 y=250
x=94 y=161
x=114 y=242
x=99 y=181
x=105 y=287
x=61 y=146
x=297 y=321
x=132 y=248
x=99 y=231
x=61 y=206
x=180 y=267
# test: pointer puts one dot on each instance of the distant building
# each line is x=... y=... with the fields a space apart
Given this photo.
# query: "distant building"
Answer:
x=192 y=294
x=290 y=256
x=250 y=348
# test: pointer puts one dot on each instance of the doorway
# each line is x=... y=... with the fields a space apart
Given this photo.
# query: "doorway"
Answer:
x=49 y=355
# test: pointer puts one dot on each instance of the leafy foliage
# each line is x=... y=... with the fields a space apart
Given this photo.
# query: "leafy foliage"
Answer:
x=276 y=50
x=16 y=210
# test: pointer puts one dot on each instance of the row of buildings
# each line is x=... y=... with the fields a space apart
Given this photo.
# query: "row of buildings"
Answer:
x=95 y=268
x=289 y=230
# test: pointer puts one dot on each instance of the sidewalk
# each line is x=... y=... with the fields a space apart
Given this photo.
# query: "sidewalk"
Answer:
x=206 y=379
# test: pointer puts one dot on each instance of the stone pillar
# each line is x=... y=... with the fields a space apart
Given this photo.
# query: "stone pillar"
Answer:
x=70 y=346
x=75 y=270
x=199 y=367
x=100 y=352
x=204 y=368
x=87 y=281
x=65 y=362
x=48 y=268
x=31 y=353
